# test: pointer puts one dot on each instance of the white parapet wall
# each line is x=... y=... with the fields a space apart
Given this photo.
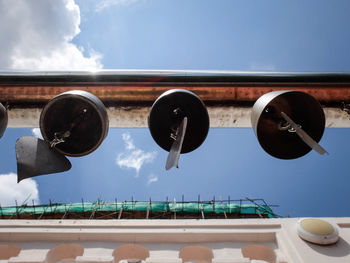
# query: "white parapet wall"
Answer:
x=167 y=241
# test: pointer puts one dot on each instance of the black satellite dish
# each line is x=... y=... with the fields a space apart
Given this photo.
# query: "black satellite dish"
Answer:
x=179 y=123
x=3 y=120
x=73 y=123
x=288 y=124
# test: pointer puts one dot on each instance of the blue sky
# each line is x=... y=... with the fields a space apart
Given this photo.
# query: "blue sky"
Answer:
x=228 y=35
x=218 y=35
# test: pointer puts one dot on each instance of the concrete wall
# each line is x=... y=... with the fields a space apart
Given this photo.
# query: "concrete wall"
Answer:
x=136 y=117
x=167 y=241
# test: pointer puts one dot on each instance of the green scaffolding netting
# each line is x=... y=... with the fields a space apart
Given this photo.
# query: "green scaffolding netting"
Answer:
x=187 y=207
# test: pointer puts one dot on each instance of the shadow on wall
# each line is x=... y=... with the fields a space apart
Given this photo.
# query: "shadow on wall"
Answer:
x=196 y=254
x=64 y=252
x=259 y=252
x=130 y=252
x=339 y=249
x=8 y=251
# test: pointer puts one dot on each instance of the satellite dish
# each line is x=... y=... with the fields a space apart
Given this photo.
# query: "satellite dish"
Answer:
x=3 y=119
x=73 y=123
x=288 y=124
x=179 y=123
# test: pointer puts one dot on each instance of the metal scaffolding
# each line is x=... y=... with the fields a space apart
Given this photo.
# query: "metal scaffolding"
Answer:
x=213 y=209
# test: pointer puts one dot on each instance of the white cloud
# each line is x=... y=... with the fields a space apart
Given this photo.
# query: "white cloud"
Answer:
x=37 y=35
x=132 y=157
x=103 y=4
x=36 y=132
x=129 y=143
x=152 y=179
x=10 y=190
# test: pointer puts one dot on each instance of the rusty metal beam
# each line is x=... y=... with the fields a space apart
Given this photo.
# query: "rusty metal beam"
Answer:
x=129 y=94
x=143 y=87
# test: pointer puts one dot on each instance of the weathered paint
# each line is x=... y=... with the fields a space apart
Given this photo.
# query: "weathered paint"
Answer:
x=137 y=94
x=136 y=117
x=128 y=95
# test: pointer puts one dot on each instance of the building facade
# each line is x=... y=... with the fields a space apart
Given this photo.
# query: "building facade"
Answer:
x=167 y=241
